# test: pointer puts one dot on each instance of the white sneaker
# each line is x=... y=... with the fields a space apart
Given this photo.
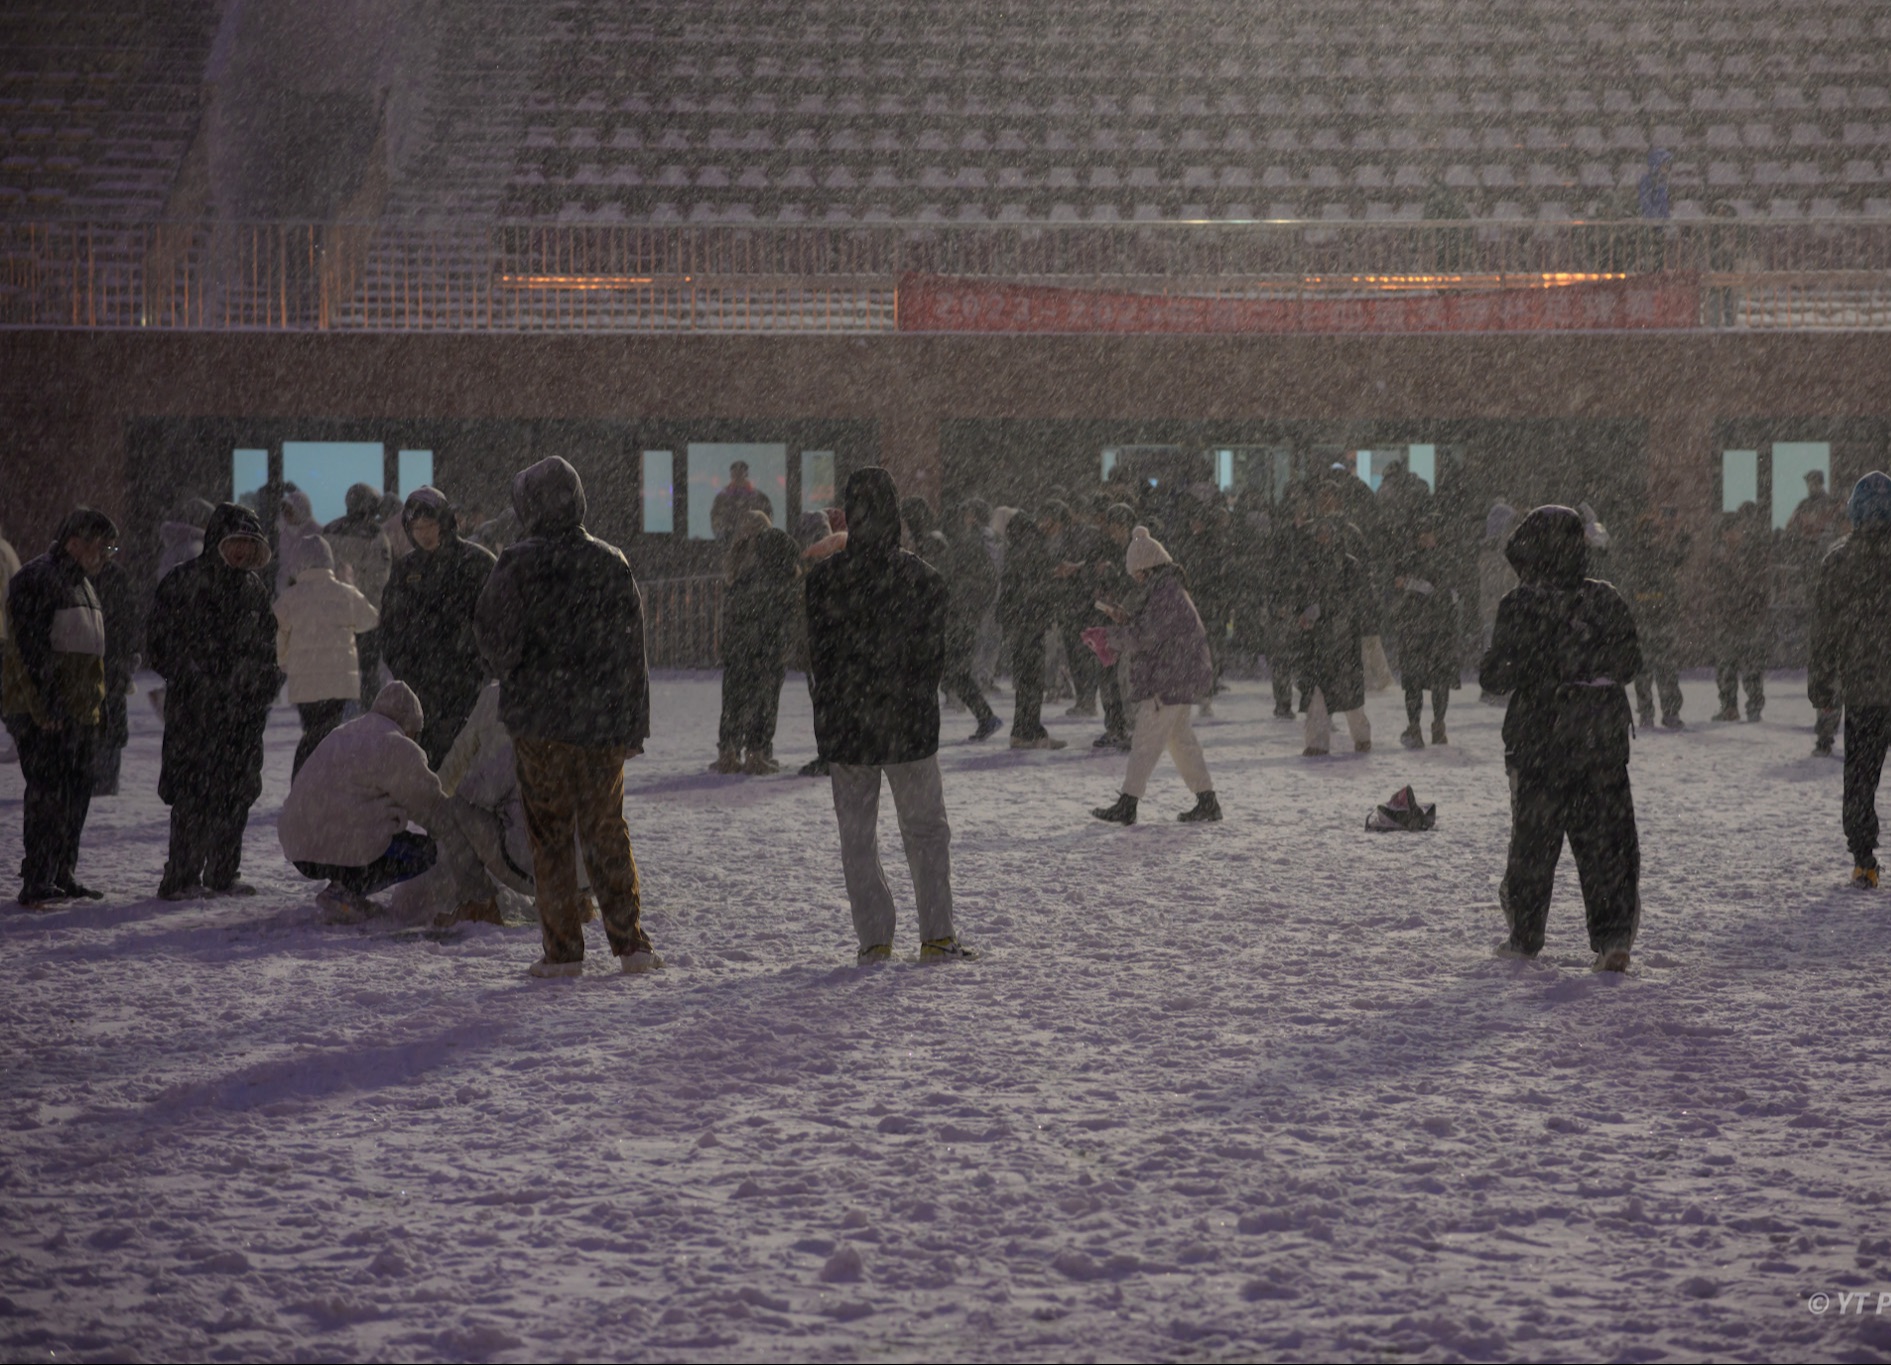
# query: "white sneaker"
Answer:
x=547 y=969
x=643 y=960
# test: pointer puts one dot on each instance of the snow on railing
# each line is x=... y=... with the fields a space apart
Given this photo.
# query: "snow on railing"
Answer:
x=826 y=277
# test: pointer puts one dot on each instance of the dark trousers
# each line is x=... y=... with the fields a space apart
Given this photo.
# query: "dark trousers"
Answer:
x=1660 y=674
x=1415 y=703
x=1115 y=714
x=57 y=766
x=1086 y=670
x=368 y=651
x=751 y=703
x=1867 y=733
x=407 y=856
x=959 y=682
x=318 y=718
x=206 y=839
x=443 y=714
x=1596 y=810
x=108 y=742
x=1027 y=683
x=1729 y=674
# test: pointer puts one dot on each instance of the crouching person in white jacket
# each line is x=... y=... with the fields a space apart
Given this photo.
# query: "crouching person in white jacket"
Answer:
x=347 y=814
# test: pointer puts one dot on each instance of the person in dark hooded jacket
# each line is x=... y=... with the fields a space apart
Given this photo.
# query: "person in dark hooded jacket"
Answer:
x=1738 y=617
x=1564 y=648
x=52 y=694
x=971 y=583
x=212 y=638
x=561 y=625
x=426 y=630
x=876 y=655
x=758 y=610
x=1851 y=658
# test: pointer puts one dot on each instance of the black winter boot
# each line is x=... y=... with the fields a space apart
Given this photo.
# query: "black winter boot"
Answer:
x=1122 y=813
x=1207 y=810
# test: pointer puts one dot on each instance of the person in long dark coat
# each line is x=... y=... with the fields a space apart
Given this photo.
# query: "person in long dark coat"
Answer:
x=1563 y=648
x=1851 y=658
x=1425 y=616
x=757 y=612
x=212 y=638
x=1739 y=618
x=426 y=631
x=1329 y=667
x=1027 y=603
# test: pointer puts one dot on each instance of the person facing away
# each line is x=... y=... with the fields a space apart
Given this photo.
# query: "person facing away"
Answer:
x=1563 y=648
x=758 y=610
x=971 y=587
x=52 y=694
x=1027 y=604
x=1329 y=665
x=212 y=638
x=1170 y=669
x=1851 y=658
x=346 y=816
x=364 y=559
x=1425 y=615
x=319 y=620
x=876 y=655
x=1739 y=616
x=297 y=530
x=1656 y=557
x=426 y=630
x=560 y=624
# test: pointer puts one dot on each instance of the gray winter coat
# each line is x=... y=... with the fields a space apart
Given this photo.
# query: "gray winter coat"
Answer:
x=1166 y=643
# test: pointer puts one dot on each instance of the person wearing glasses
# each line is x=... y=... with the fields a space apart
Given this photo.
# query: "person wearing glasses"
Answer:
x=52 y=694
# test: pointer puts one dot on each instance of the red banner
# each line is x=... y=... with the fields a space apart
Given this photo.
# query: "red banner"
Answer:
x=932 y=303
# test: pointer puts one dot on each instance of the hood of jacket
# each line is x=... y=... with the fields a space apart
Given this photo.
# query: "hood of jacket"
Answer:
x=1549 y=548
x=361 y=500
x=428 y=501
x=1870 y=504
x=398 y=703
x=229 y=520
x=549 y=497
x=297 y=509
x=872 y=504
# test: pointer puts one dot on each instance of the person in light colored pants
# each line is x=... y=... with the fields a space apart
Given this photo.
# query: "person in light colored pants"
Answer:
x=1320 y=725
x=919 y=801
x=1162 y=727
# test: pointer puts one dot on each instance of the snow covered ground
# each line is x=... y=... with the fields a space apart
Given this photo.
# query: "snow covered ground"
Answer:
x=1254 y=1089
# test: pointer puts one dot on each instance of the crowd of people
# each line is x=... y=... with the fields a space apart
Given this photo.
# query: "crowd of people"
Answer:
x=516 y=685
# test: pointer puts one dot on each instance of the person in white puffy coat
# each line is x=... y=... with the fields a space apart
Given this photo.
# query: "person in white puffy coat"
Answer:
x=317 y=619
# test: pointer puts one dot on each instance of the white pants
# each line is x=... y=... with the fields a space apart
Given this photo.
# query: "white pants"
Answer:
x=1320 y=725
x=919 y=801
x=1160 y=727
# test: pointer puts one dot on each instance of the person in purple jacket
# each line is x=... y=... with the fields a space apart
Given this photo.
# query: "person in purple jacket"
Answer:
x=1169 y=672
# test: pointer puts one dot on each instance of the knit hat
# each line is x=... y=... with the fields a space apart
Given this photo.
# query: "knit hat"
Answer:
x=398 y=703
x=1871 y=500
x=1145 y=551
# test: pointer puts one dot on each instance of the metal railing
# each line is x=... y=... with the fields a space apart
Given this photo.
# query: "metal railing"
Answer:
x=400 y=277
x=682 y=621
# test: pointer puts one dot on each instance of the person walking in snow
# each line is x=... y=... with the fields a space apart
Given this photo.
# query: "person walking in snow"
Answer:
x=757 y=612
x=560 y=623
x=1425 y=616
x=212 y=638
x=1739 y=621
x=319 y=623
x=1851 y=656
x=363 y=559
x=1027 y=602
x=971 y=587
x=1170 y=670
x=426 y=626
x=52 y=690
x=1330 y=583
x=876 y=654
x=1563 y=648
x=346 y=816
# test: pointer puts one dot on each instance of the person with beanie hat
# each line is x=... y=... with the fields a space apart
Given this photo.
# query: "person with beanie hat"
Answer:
x=1851 y=660
x=319 y=621
x=876 y=655
x=346 y=816
x=426 y=632
x=52 y=694
x=212 y=638
x=1170 y=670
x=1563 y=648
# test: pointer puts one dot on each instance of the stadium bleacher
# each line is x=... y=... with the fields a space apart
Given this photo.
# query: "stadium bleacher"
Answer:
x=99 y=102
x=714 y=110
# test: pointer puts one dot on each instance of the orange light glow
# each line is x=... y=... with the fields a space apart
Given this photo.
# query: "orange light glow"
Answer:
x=584 y=282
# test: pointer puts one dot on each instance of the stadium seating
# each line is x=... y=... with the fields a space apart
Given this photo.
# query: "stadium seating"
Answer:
x=99 y=101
